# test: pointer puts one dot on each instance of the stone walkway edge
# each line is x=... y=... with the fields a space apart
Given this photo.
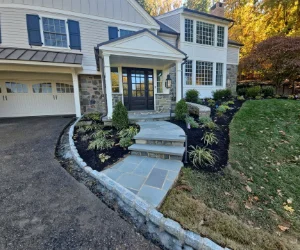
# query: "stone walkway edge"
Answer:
x=146 y=218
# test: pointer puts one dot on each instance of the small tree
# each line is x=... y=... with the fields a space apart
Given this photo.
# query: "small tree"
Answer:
x=181 y=110
x=120 y=116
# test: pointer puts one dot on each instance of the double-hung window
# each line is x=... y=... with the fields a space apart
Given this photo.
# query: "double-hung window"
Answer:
x=204 y=73
x=159 y=81
x=54 y=32
x=189 y=30
x=220 y=36
x=189 y=72
x=205 y=33
x=219 y=74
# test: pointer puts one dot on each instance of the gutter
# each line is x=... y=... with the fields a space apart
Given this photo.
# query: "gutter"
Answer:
x=182 y=64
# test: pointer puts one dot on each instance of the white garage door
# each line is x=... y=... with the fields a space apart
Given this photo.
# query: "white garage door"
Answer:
x=36 y=99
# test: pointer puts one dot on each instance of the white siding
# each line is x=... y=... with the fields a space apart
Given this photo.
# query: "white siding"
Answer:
x=93 y=32
x=115 y=9
x=233 y=55
x=168 y=38
x=172 y=21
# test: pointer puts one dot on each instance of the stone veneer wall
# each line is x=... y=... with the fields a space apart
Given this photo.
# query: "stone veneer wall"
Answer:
x=163 y=103
x=92 y=97
x=231 y=78
x=116 y=98
x=172 y=73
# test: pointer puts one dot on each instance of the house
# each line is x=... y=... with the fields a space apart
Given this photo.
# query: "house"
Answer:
x=63 y=57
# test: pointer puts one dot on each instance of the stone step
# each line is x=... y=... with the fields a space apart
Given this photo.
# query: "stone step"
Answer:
x=167 y=140
x=158 y=151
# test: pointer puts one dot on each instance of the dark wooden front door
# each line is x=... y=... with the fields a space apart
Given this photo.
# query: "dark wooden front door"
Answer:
x=138 y=89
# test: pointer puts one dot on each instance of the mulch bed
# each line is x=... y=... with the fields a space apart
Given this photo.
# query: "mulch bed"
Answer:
x=91 y=157
x=221 y=148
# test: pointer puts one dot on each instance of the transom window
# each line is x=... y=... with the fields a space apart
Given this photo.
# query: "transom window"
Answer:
x=42 y=88
x=55 y=33
x=13 y=87
x=64 y=88
x=189 y=30
x=205 y=33
x=126 y=32
x=204 y=73
x=219 y=74
x=114 y=73
x=189 y=72
x=220 y=37
x=159 y=81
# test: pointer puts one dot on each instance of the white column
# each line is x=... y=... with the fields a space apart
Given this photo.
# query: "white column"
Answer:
x=76 y=93
x=108 y=86
x=178 y=81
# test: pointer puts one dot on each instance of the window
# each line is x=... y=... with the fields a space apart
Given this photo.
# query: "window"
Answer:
x=189 y=30
x=125 y=82
x=189 y=72
x=126 y=32
x=219 y=74
x=13 y=87
x=42 y=88
x=64 y=88
x=220 y=37
x=204 y=73
x=55 y=33
x=138 y=83
x=159 y=81
x=205 y=33
x=114 y=74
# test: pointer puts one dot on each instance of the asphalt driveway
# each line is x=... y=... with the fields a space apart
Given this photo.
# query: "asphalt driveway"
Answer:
x=41 y=205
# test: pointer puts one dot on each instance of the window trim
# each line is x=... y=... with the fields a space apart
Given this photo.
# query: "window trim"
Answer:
x=193 y=30
x=212 y=75
x=124 y=28
x=162 y=81
x=42 y=32
x=192 y=73
x=118 y=69
x=217 y=38
x=213 y=34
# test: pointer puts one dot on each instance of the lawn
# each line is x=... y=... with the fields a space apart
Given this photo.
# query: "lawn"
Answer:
x=254 y=203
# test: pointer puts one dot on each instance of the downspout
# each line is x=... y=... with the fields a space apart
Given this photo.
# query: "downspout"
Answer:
x=182 y=64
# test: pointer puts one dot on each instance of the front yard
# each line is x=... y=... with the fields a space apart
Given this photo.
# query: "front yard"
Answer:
x=254 y=202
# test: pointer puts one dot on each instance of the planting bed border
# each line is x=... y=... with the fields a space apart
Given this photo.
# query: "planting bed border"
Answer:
x=151 y=223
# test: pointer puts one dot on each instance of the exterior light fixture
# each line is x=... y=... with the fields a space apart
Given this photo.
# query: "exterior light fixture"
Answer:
x=168 y=82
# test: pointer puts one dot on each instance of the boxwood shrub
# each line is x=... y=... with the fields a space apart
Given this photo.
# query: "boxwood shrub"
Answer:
x=192 y=95
x=222 y=94
x=181 y=110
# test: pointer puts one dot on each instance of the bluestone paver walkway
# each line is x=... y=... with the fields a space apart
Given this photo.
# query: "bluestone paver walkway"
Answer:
x=41 y=205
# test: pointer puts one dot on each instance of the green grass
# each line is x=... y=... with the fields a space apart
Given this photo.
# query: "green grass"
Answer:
x=264 y=156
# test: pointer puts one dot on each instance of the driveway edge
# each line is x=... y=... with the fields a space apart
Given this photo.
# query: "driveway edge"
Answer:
x=150 y=222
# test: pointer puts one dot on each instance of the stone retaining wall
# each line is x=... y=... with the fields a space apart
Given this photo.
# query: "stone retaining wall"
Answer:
x=151 y=223
x=163 y=103
x=197 y=109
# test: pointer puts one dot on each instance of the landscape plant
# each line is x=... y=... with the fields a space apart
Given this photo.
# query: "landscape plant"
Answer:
x=253 y=92
x=128 y=132
x=192 y=95
x=190 y=120
x=211 y=102
x=268 y=91
x=181 y=110
x=242 y=91
x=222 y=109
x=101 y=140
x=125 y=142
x=202 y=157
x=103 y=157
x=209 y=138
x=120 y=117
x=222 y=94
x=205 y=119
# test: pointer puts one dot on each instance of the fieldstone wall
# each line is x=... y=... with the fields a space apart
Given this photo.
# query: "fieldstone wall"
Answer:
x=231 y=78
x=172 y=73
x=116 y=98
x=197 y=109
x=92 y=97
x=163 y=103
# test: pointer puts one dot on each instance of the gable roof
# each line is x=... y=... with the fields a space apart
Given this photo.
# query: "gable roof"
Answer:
x=166 y=29
x=136 y=34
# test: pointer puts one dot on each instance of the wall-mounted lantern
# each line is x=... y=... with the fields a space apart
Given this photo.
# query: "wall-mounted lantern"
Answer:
x=168 y=82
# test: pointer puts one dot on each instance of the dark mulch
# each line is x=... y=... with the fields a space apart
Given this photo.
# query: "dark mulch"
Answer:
x=221 y=148
x=91 y=157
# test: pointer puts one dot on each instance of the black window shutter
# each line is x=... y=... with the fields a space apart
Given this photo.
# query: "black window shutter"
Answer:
x=74 y=32
x=33 y=29
x=112 y=33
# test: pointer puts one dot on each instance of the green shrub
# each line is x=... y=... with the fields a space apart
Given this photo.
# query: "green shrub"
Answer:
x=241 y=98
x=192 y=122
x=291 y=97
x=120 y=117
x=125 y=142
x=128 y=132
x=228 y=103
x=259 y=97
x=209 y=138
x=211 y=125
x=211 y=102
x=277 y=96
x=253 y=92
x=101 y=143
x=268 y=91
x=202 y=157
x=242 y=91
x=222 y=109
x=181 y=110
x=192 y=95
x=205 y=119
x=222 y=93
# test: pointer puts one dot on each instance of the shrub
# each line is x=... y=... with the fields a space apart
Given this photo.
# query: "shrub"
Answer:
x=125 y=142
x=259 y=97
x=192 y=122
x=93 y=117
x=242 y=91
x=202 y=157
x=209 y=138
x=222 y=109
x=128 y=132
x=101 y=143
x=205 y=119
x=181 y=110
x=277 y=96
x=253 y=92
x=222 y=93
x=241 y=98
x=192 y=95
x=120 y=117
x=211 y=102
x=211 y=125
x=268 y=91
x=103 y=157
x=228 y=103
x=291 y=97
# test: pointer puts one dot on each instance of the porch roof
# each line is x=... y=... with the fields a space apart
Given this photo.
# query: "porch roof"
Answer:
x=142 y=44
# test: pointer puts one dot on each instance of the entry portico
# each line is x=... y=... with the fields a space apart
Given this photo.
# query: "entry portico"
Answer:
x=135 y=69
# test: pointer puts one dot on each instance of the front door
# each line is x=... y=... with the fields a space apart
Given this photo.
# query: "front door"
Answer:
x=138 y=89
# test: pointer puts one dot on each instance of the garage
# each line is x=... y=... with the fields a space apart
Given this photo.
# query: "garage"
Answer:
x=31 y=94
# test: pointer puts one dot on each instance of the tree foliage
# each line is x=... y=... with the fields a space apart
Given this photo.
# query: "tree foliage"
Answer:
x=159 y=7
x=200 y=5
x=277 y=58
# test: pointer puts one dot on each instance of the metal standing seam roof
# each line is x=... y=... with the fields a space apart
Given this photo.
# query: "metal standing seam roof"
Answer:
x=40 y=56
